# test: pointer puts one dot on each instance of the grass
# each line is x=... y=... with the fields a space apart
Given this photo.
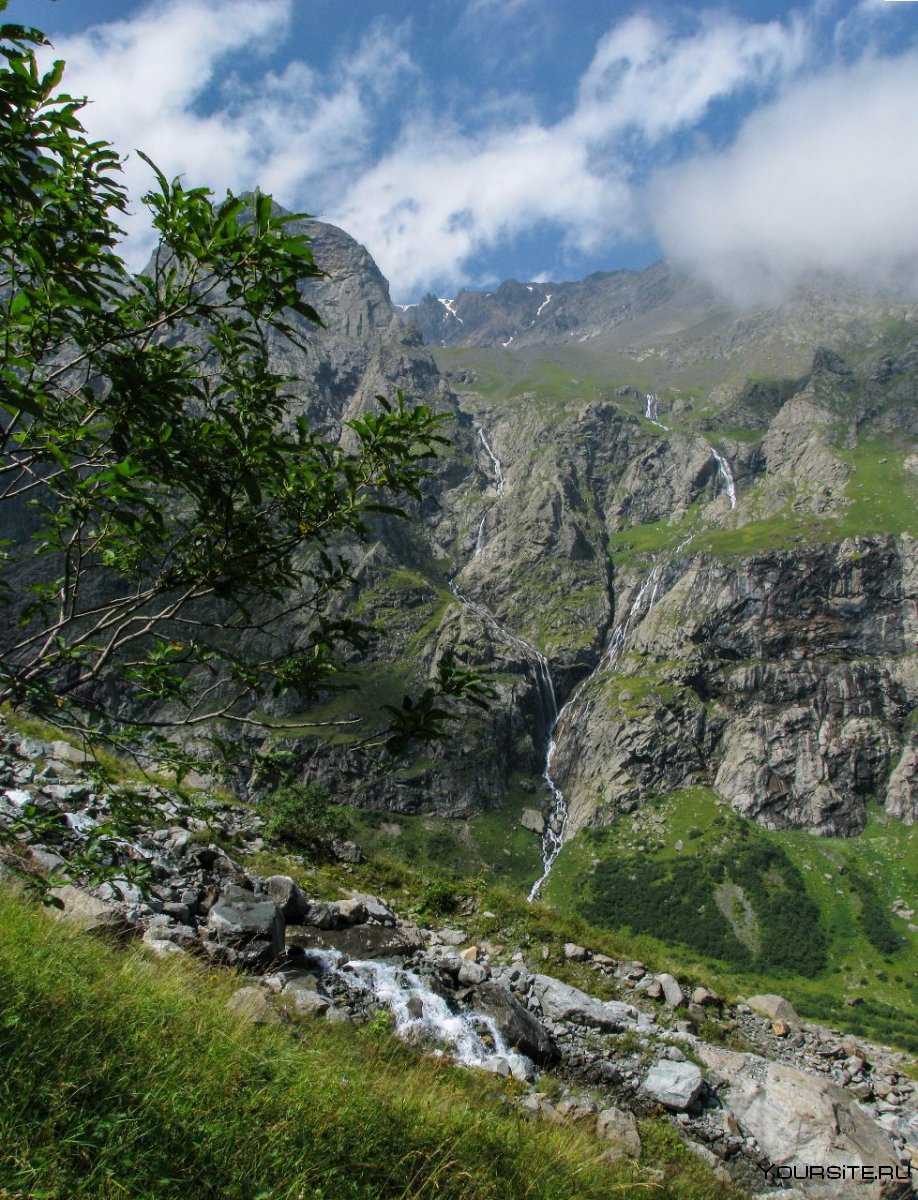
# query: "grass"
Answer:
x=671 y=851
x=126 y=1077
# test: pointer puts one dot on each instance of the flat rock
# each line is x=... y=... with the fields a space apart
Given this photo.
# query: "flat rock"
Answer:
x=675 y=1085
x=561 y=1002
x=359 y=941
x=801 y=1120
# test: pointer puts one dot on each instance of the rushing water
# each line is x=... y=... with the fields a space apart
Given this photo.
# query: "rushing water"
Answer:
x=498 y=465
x=419 y=1014
x=726 y=473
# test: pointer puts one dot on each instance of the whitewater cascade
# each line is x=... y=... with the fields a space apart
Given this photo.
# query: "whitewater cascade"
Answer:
x=652 y=409
x=472 y=1039
x=498 y=465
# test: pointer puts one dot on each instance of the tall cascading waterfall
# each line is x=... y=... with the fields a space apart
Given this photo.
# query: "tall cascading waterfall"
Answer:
x=498 y=483
x=552 y=838
x=652 y=414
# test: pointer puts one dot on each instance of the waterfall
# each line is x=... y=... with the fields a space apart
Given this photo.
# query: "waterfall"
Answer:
x=619 y=638
x=652 y=409
x=726 y=473
x=498 y=466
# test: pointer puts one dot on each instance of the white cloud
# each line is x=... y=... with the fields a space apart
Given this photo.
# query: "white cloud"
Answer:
x=441 y=197
x=647 y=78
x=824 y=179
x=163 y=81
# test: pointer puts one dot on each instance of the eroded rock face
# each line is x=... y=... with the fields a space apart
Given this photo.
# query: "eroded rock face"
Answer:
x=800 y=1121
x=787 y=682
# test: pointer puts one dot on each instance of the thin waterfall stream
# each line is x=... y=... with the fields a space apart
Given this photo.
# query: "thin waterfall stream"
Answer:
x=641 y=605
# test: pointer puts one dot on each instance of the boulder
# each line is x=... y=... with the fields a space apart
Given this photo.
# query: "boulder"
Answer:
x=776 y=1008
x=253 y=1004
x=675 y=1085
x=561 y=1002
x=800 y=1120
x=244 y=929
x=575 y=953
x=672 y=992
x=533 y=820
x=288 y=897
x=352 y=912
x=359 y=941
x=76 y=905
x=704 y=997
x=472 y=973
x=619 y=1128
x=518 y=1027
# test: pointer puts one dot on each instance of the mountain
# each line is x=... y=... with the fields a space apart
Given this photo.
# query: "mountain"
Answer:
x=717 y=577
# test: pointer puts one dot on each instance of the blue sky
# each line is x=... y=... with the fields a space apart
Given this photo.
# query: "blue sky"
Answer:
x=467 y=141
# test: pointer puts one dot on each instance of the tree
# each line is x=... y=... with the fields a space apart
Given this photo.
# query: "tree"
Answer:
x=175 y=512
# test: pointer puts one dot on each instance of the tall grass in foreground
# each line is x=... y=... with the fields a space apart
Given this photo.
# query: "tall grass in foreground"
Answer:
x=126 y=1077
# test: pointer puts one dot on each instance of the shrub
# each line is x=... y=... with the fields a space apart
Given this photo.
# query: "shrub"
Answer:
x=300 y=816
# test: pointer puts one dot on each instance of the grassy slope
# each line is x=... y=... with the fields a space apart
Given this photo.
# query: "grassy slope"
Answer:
x=842 y=877
x=127 y=1078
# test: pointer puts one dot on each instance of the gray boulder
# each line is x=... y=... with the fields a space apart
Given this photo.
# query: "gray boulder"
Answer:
x=801 y=1120
x=675 y=1085
x=561 y=1002
x=288 y=897
x=518 y=1027
x=244 y=930
x=672 y=992
x=776 y=1008
x=620 y=1129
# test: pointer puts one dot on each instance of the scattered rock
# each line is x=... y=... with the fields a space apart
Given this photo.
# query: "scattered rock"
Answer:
x=675 y=1085
x=620 y=1128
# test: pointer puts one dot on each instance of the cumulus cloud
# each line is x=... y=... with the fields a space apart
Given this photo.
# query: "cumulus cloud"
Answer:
x=825 y=179
x=441 y=197
x=167 y=80
x=435 y=180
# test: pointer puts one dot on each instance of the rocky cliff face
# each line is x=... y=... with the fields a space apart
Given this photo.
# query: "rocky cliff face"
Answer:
x=712 y=581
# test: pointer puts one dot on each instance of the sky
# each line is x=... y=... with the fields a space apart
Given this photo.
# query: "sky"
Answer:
x=468 y=141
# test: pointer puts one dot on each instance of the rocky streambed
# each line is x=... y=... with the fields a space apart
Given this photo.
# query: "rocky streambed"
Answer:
x=799 y=1106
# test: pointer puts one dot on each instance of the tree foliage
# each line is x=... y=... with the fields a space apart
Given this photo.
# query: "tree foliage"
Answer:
x=162 y=510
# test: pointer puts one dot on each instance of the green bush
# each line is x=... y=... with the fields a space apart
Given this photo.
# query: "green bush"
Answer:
x=438 y=898
x=301 y=817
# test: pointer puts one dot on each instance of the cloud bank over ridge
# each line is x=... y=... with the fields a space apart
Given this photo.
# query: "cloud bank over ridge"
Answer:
x=752 y=151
